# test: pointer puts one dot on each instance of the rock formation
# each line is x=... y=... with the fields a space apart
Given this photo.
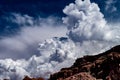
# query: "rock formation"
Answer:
x=104 y=66
x=28 y=78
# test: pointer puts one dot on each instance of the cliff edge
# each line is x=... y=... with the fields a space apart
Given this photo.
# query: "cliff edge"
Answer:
x=104 y=66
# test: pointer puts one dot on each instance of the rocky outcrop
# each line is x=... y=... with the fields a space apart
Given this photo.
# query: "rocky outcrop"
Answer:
x=104 y=66
x=80 y=76
x=28 y=78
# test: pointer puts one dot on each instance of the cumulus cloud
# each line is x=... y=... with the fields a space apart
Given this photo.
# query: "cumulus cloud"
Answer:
x=88 y=33
x=32 y=32
x=88 y=28
x=54 y=54
x=86 y=22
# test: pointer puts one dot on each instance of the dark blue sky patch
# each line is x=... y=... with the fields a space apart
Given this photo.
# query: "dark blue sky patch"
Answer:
x=45 y=8
x=110 y=16
x=34 y=7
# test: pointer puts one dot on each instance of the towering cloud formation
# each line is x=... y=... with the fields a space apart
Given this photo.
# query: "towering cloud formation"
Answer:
x=88 y=28
x=86 y=22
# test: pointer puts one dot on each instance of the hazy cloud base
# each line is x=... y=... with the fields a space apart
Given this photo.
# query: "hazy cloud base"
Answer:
x=31 y=33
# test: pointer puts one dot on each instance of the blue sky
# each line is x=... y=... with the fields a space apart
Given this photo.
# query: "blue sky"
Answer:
x=16 y=14
x=45 y=8
x=33 y=8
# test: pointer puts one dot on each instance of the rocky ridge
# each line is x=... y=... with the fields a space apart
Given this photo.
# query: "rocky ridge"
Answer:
x=104 y=66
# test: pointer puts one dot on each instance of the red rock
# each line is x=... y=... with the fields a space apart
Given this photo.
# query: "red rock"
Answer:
x=104 y=66
x=28 y=78
x=81 y=76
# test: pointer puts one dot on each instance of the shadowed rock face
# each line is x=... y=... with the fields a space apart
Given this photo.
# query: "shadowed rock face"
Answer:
x=104 y=66
x=80 y=76
x=28 y=78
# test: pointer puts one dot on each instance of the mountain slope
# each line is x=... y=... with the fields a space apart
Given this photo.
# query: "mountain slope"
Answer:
x=104 y=66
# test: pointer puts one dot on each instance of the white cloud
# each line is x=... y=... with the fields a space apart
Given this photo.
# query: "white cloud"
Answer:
x=110 y=6
x=22 y=19
x=88 y=28
x=54 y=54
x=86 y=22
x=25 y=42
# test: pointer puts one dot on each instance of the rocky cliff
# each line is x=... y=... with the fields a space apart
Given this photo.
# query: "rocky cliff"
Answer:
x=104 y=66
